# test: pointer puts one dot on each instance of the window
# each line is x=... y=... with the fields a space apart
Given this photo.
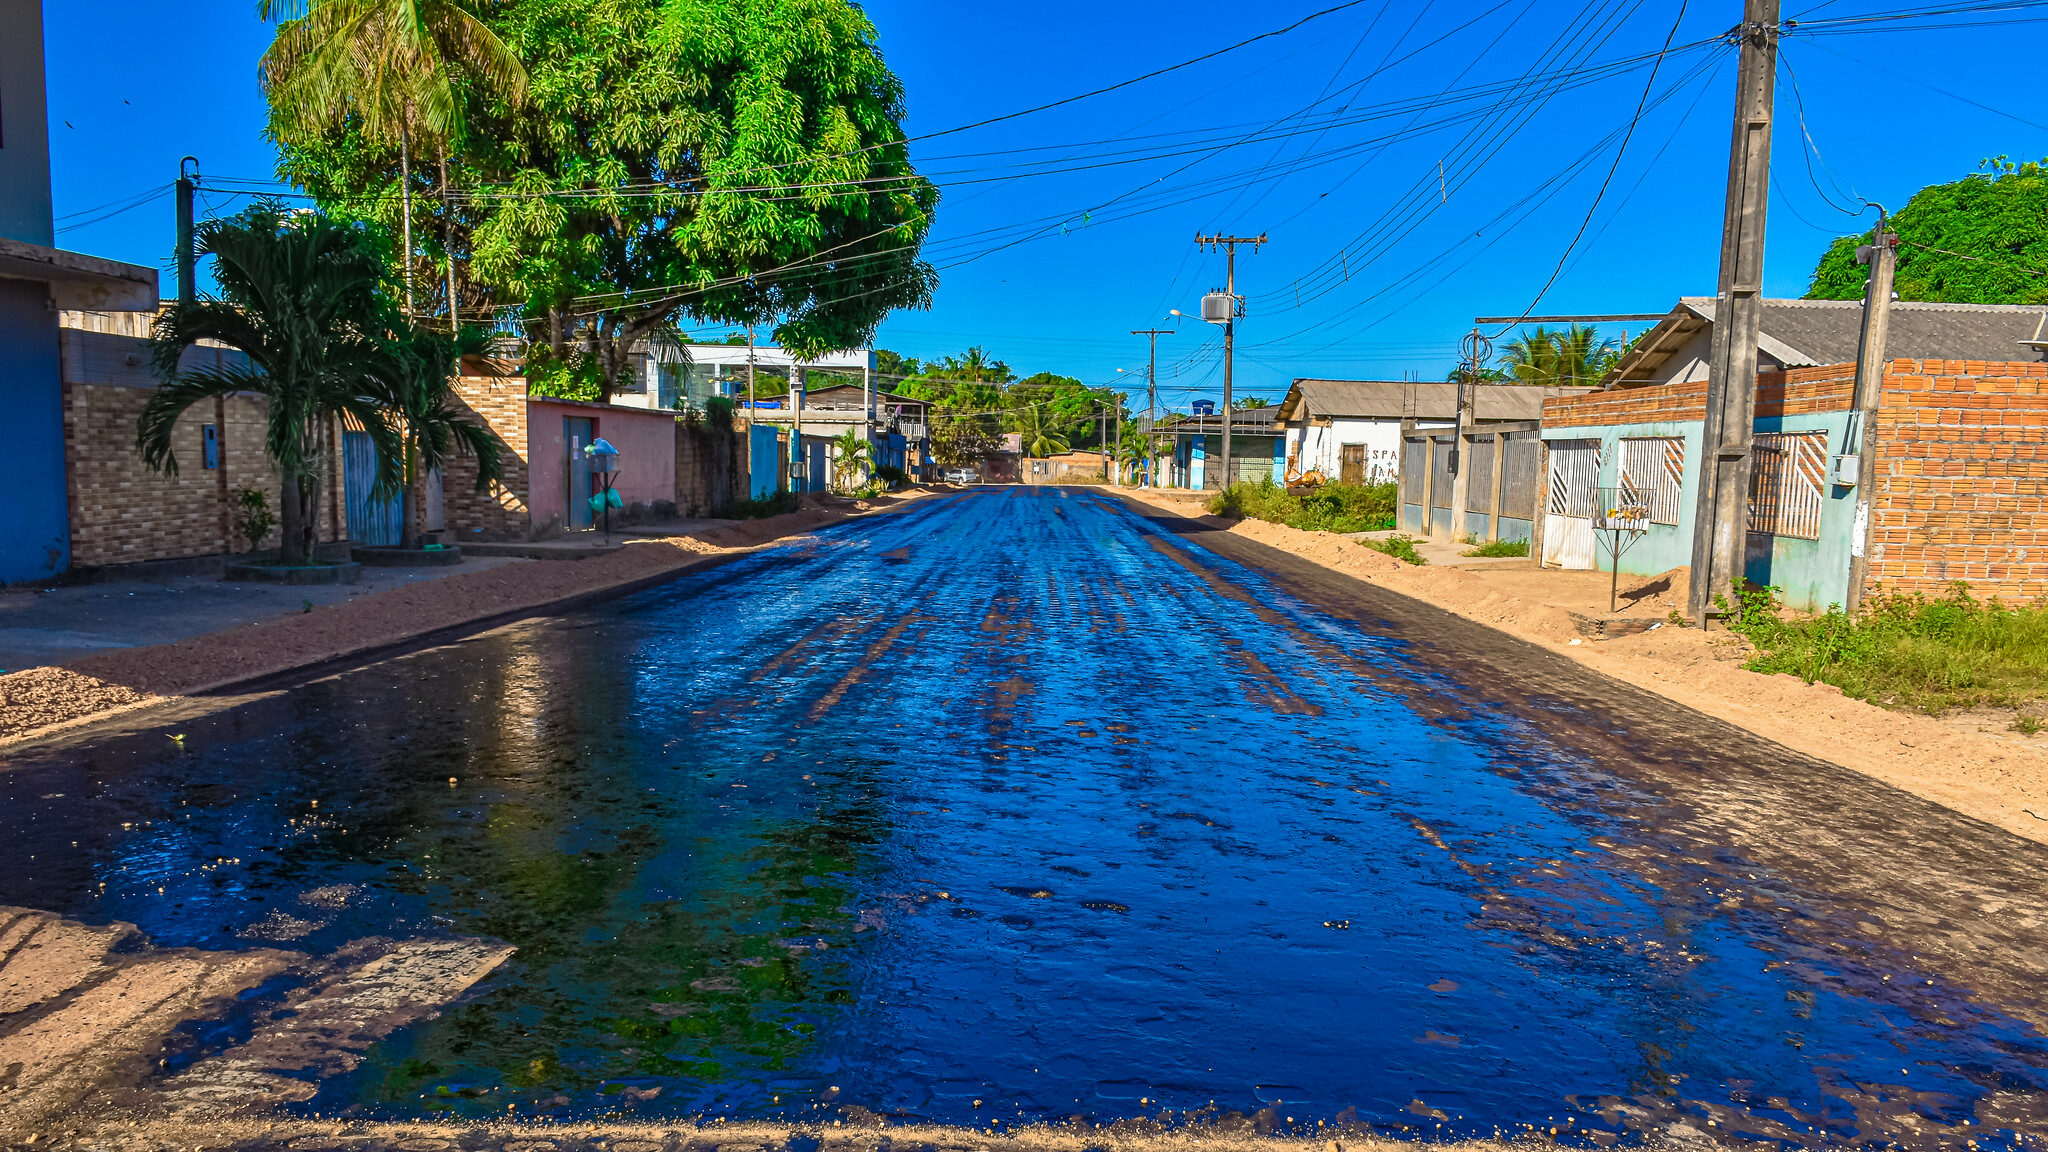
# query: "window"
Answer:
x=1785 y=483
x=1652 y=472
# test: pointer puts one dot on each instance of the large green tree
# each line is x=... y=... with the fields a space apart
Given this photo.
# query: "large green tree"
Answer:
x=731 y=161
x=384 y=74
x=1979 y=240
x=1561 y=357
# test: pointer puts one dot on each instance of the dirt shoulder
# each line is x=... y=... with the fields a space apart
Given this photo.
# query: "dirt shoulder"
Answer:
x=1999 y=781
x=42 y=701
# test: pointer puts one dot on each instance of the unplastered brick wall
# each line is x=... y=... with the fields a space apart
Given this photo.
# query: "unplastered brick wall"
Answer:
x=1962 y=491
x=501 y=511
x=124 y=512
x=1828 y=388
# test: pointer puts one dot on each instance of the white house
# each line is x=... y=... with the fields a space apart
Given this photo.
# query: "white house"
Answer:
x=1350 y=430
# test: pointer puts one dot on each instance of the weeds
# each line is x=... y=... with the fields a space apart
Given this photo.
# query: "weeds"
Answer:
x=2026 y=725
x=782 y=502
x=1399 y=547
x=1330 y=508
x=1502 y=548
x=1910 y=651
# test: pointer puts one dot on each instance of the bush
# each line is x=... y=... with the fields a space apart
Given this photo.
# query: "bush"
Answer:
x=893 y=476
x=1399 y=547
x=1330 y=508
x=1934 y=655
x=1502 y=548
x=252 y=516
x=776 y=505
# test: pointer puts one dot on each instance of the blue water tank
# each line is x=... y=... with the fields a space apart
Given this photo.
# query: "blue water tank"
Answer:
x=1205 y=407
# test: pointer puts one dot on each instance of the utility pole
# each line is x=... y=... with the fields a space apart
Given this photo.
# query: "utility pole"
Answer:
x=1721 y=521
x=1882 y=256
x=1229 y=323
x=1152 y=405
x=188 y=182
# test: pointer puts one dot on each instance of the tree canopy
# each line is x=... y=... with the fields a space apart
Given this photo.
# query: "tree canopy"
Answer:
x=1979 y=240
x=728 y=161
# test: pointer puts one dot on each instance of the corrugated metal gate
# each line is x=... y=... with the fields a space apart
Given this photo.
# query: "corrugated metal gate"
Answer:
x=1520 y=480
x=1478 y=465
x=371 y=522
x=1568 y=514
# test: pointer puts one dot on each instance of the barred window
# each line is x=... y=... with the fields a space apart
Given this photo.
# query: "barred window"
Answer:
x=1785 y=484
x=1652 y=472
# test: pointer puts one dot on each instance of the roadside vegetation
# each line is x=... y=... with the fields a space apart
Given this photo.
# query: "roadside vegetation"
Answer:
x=1907 y=651
x=1330 y=508
x=1501 y=548
x=1399 y=547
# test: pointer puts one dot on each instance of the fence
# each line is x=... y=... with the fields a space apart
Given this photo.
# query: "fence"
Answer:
x=1490 y=496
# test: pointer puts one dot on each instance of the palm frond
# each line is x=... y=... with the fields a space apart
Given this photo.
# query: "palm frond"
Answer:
x=159 y=419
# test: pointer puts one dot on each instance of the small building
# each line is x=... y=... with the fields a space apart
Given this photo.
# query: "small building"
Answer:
x=1961 y=442
x=898 y=427
x=1351 y=430
x=1196 y=460
x=1068 y=468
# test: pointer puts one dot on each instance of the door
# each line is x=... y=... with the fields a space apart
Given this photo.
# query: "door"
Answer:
x=1351 y=464
x=373 y=523
x=1568 y=513
x=577 y=435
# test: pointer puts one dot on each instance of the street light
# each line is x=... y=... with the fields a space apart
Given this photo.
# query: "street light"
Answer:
x=604 y=468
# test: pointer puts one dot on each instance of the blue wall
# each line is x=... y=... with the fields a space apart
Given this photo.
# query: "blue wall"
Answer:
x=764 y=469
x=35 y=534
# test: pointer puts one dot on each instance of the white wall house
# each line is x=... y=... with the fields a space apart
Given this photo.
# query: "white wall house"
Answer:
x=1350 y=430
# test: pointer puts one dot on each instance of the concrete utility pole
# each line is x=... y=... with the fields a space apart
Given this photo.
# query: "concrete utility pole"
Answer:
x=1721 y=521
x=1229 y=243
x=1152 y=404
x=188 y=284
x=750 y=391
x=1882 y=256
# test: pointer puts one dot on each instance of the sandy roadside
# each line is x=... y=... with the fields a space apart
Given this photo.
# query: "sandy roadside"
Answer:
x=1997 y=781
x=40 y=702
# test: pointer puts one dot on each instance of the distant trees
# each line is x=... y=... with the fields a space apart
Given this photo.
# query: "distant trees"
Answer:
x=1979 y=240
x=1574 y=357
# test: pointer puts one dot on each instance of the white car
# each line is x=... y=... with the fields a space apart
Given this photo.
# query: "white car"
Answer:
x=961 y=476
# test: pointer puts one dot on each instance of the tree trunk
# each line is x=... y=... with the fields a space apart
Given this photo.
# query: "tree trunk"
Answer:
x=412 y=503
x=290 y=543
x=448 y=243
x=405 y=223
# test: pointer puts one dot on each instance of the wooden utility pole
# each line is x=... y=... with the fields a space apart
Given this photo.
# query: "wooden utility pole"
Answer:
x=1882 y=256
x=1152 y=405
x=1721 y=521
x=1229 y=243
x=188 y=182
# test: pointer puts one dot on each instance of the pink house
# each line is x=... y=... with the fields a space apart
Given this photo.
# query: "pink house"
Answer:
x=547 y=478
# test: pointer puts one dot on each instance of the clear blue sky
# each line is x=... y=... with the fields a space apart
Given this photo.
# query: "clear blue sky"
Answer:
x=1328 y=138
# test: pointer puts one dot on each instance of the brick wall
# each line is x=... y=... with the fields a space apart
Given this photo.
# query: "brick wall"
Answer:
x=121 y=511
x=503 y=511
x=1829 y=388
x=1962 y=491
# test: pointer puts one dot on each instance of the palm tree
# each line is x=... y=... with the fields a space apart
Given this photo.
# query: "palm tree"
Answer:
x=1137 y=452
x=390 y=66
x=412 y=385
x=1571 y=357
x=853 y=456
x=298 y=296
x=1041 y=436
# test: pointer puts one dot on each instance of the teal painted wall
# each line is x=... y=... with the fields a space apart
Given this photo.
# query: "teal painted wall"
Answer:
x=1812 y=574
x=763 y=452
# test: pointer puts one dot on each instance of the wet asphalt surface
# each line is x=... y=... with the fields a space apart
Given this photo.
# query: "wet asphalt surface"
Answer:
x=1020 y=805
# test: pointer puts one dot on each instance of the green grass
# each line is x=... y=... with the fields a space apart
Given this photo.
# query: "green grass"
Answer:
x=1909 y=651
x=1331 y=508
x=1399 y=547
x=783 y=501
x=1502 y=548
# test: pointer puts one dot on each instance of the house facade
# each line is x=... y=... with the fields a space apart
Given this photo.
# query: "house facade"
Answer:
x=1350 y=431
x=1197 y=458
x=1961 y=446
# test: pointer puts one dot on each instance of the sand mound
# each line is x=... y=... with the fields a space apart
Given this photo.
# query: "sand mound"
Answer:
x=39 y=697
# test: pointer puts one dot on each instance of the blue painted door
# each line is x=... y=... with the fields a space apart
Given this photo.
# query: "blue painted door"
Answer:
x=577 y=435
x=371 y=522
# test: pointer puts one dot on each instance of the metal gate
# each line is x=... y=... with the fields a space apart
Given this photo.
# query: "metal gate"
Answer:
x=577 y=434
x=371 y=522
x=1568 y=513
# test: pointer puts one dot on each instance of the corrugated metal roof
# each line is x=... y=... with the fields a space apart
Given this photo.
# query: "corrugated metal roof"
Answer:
x=1810 y=333
x=1415 y=400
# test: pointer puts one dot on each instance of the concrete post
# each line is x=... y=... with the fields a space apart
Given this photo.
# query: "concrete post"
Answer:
x=1870 y=366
